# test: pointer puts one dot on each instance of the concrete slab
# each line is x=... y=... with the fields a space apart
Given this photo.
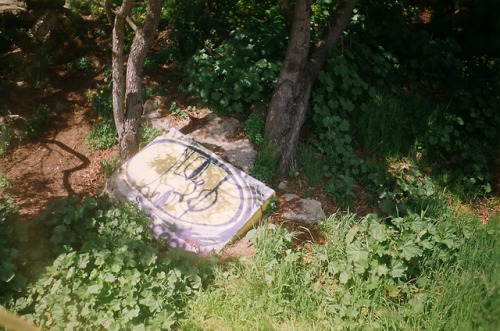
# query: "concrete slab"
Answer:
x=196 y=200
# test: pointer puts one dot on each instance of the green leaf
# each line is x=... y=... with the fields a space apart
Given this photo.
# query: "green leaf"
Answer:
x=410 y=250
x=355 y=252
x=382 y=270
x=344 y=277
x=378 y=231
x=397 y=269
x=351 y=234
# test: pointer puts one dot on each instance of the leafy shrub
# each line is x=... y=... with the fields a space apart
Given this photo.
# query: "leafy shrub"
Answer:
x=109 y=166
x=374 y=128
x=102 y=106
x=254 y=128
x=410 y=190
x=190 y=23
x=242 y=70
x=176 y=110
x=340 y=92
x=264 y=165
x=82 y=65
x=6 y=137
x=37 y=71
x=148 y=133
x=357 y=273
x=109 y=272
x=150 y=65
x=312 y=163
x=37 y=122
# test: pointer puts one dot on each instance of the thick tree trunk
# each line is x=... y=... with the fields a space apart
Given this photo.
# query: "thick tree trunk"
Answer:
x=291 y=95
x=127 y=101
x=288 y=106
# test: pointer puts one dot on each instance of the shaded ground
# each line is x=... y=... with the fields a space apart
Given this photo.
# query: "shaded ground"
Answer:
x=58 y=163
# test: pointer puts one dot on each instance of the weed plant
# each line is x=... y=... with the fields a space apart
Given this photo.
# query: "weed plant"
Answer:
x=265 y=163
x=103 y=135
x=177 y=111
x=107 y=271
x=82 y=65
x=109 y=166
x=254 y=129
x=37 y=122
x=148 y=133
x=408 y=273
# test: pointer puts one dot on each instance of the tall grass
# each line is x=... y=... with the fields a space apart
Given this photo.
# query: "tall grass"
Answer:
x=391 y=123
x=287 y=288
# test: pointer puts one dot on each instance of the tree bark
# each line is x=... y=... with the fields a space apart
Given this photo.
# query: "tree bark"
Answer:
x=302 y=64
x=144 y=36
x=127 y=100
x=118 y=69
x=286 y=107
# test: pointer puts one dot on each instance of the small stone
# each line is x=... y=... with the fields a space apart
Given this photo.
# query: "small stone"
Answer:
x=283 y=185
x=289 y=197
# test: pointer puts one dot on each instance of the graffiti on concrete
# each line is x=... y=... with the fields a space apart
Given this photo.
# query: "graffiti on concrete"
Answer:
x=196 y=200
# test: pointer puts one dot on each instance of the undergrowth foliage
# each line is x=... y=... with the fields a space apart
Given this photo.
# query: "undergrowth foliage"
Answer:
x=109 y=272
x=371 y=273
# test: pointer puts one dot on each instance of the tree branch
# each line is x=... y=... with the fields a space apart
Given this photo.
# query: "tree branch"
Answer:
x=338 y=23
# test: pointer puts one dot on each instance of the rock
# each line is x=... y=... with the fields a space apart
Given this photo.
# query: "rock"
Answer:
x=308 y=211
x=283 y=185
x=151 y=109
x=222 y=133
x=47 y=23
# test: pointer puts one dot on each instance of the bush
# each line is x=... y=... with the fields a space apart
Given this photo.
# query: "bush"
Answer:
x=242 y=70
x=109 y=272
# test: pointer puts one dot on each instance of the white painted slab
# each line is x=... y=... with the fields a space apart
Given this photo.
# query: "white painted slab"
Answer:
x=196 y=200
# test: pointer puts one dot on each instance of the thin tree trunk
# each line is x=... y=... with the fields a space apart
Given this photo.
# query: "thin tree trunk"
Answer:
x=118 y=69
x=144 y=36
x=290 y=99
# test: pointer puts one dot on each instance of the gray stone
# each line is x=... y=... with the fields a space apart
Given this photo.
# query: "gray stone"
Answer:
x=283 y=185
x=308 y=211
x=219 y=134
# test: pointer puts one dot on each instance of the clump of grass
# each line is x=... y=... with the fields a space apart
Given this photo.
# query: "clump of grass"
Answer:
x=264 y=165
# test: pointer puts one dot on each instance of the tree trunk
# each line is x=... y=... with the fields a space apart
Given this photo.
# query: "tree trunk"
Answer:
x=127 y=100
x=291 y=95
x=118 y=69
x=288 y=106
x=144 y=36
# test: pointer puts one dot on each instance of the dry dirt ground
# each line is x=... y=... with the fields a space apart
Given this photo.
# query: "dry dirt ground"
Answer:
x=58 y=163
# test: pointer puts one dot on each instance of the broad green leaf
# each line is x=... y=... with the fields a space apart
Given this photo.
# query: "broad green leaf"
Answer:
x=410 y=250
x=355 y=252
x=344 y=277
x=397 y=269
x=351 y=234
x=378 y=231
